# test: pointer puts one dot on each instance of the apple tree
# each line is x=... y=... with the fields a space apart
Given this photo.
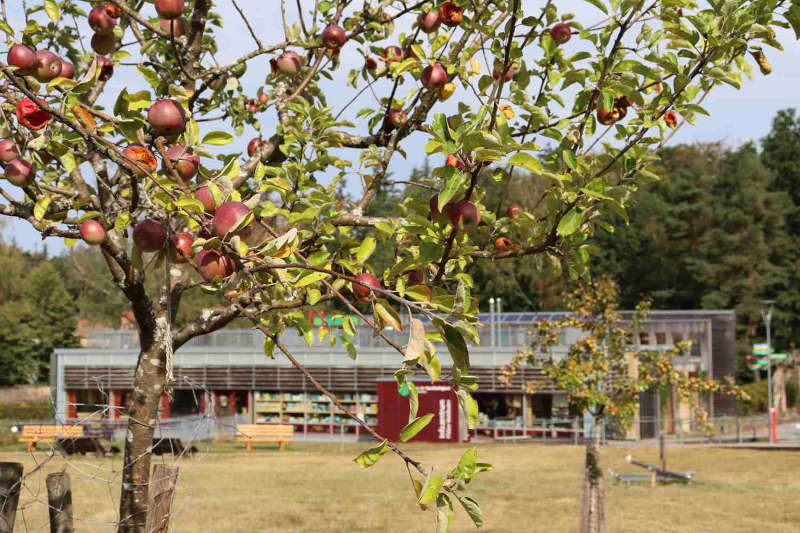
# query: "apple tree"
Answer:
x=157 y=176
x=604 y=376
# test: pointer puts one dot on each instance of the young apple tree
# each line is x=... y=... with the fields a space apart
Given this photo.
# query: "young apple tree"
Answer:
x=143 y=172
x=603 y=375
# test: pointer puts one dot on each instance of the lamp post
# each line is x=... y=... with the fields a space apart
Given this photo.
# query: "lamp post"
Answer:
x=766 y=314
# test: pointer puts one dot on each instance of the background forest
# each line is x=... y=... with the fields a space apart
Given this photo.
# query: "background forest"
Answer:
x=721 y=231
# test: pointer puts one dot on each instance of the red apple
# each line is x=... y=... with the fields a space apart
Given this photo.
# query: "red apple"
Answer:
x=254 y=145
x=512 y=211
x=30 y=115
x=213 y=264
x=392 y=54
x=609 y=117
x=48 y=66
x=433 y=77
x=228 y=217
x=169 y=9
x=464 y=215
x=333 y=36
x=23 y=57
x=104 y=43
x=100 y=21
x=287 y=63
x=183 y=247
x=149 y=235
x=67 y=69
x=183 y=160
x=176 y=27
x=429 y=21
x=397 y=118
x=106 y=67
x=20 y=172
x=370 y=63
x=8 y=150
x=455 y=161
x=560 y=32
x=166 y=117
x=206 y=198
x=361 y=292
x=92 y=232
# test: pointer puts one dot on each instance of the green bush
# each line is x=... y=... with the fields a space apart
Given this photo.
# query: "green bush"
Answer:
x=757 y=403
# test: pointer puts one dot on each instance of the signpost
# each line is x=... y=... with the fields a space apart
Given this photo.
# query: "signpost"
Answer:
x=766 y=349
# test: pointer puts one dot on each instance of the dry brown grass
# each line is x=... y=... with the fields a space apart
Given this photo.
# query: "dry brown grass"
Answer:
x=314 y=487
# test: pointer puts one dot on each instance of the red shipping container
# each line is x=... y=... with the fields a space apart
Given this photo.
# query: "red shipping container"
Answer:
x=437 y=398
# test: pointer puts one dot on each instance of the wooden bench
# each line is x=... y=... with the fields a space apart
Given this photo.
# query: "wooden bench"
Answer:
x=33 y=434
x=250 y=433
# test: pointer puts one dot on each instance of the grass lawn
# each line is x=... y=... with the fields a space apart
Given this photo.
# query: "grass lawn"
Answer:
x=316 y=487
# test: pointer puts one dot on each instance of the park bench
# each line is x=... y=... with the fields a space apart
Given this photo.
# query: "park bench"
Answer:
x=250 y=433
x=33 y=434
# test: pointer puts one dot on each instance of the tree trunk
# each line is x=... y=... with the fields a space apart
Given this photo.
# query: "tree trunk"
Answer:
x=593 y=516
x=149 y=382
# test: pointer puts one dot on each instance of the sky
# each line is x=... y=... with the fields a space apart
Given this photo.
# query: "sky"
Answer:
x=737 y=116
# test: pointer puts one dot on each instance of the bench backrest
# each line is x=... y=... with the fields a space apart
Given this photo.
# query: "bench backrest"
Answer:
x=265 y=430
x=52 y=431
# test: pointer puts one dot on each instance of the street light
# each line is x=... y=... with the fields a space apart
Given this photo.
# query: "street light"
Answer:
x=766 y=314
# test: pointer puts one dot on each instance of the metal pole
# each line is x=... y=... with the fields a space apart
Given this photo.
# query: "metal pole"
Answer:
x=491 y=321
x=768 y=321
x=499 y=322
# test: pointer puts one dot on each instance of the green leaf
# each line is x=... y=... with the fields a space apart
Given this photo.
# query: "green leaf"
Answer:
x=149 y=75
x=452 y=184
x=430 y=489
x=218 y=138
x=68 y=160
x=6 y=28
x=444 y=513
x=310 y=278
x=469 y=406
x=570 y=223
x=456 y=346
x=41 y=206
x=473 y=510
x=51 y=8
x=365 y=250
x=314 y=296
x=371 y=456
x=386 y=315
x=415 y=426
x=269 y=347
x=569 y=159
x=123 y=221
x=413 y=400
x=526 y=161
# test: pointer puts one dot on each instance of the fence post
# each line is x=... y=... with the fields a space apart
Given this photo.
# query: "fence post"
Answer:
x=162 y=487
x=10 y=483
x=59 y=500
x=738 y=428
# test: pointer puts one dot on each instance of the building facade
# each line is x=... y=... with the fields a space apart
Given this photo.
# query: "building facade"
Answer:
x=227 y=372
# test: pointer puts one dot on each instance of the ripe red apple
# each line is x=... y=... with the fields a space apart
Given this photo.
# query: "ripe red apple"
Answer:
x=103 y=43
x=287 y=63
x=560 y=32
x=149 y=235
x=370 y=63
x=263 y=97
x=213 y=264
x=92 y=232
x=392 y=54
x=20 y=172
x=429 y=21
x=67 y=69
x=397 y=118
x=254 y=145
x=184 y=160
x=100 y=21
x=106 y=67
x=176 y=26
x=166 y=117
x=609 y=117
x=433 y=77
x=361 y=292
x=227 y=217
x=8 y=150
x=502 y=244
x=451 y=14
x=433 y=205
x=183 y=247
x=169 y=9
x=498 y=68
x=23 y=57
x=333 y=36
x=48 y=66
x=512 y=211
x=113 y=10
x=464 y=215
x=206 y=198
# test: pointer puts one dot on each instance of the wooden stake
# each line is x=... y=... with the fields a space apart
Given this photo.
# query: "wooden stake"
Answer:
x=10 y=483
x=59 y=498
x=162 y=488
